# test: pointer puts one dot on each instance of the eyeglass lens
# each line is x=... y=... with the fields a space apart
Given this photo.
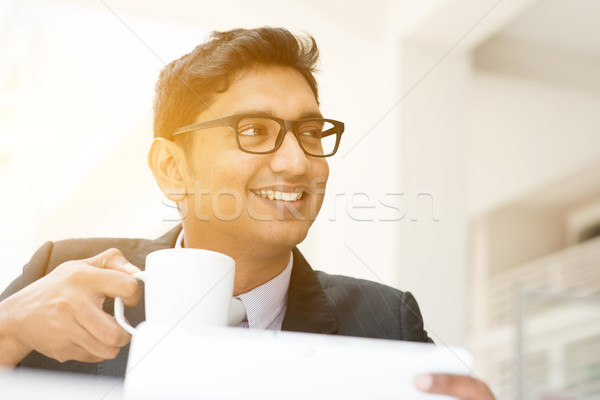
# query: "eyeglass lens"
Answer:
x=259 y=134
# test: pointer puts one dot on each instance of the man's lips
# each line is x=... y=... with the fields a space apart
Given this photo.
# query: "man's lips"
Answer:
x=281 y=192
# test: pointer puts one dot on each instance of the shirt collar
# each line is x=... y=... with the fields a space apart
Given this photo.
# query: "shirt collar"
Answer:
x=265 y=304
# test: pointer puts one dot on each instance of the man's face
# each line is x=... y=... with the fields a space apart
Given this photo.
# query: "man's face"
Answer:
x=232 y=190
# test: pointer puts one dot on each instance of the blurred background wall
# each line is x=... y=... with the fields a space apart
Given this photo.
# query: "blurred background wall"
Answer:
x=469 y=172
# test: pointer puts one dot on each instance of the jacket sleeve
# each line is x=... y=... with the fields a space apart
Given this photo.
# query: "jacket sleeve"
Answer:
x=411 y=321
x=32 y=271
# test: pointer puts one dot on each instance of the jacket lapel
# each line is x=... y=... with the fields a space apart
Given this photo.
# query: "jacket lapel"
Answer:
x=166 y=241
x=308 y=309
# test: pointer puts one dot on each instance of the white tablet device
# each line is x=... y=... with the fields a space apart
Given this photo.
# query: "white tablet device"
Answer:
x=235 y=363
x=38 y=384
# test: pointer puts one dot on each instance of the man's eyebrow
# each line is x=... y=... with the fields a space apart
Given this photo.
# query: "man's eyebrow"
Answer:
x=267 y=113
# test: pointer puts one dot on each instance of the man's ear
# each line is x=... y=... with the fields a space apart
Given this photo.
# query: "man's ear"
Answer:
x=164 y=160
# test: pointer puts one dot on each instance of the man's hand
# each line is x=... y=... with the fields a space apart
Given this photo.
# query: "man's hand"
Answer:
x=459 y=386
x=61 y=316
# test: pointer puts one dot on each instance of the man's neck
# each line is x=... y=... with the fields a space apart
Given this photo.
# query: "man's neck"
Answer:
x=251 y=273
x=254 y=264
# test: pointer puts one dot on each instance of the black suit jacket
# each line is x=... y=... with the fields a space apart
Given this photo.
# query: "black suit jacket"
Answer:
x=317 y=302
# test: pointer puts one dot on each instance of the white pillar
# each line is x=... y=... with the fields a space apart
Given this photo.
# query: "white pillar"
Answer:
x=433 y=246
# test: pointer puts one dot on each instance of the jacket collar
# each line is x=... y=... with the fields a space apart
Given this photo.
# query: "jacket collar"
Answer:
x=166 y=241
x=308 y=309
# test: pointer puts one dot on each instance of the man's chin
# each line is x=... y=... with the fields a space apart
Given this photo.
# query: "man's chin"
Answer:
x=285 y=234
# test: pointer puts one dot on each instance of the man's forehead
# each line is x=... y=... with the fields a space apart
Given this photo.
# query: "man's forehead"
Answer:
x=271 y=90
x=270 y=113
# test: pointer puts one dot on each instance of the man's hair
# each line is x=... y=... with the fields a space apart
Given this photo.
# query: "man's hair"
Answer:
x=187 y=86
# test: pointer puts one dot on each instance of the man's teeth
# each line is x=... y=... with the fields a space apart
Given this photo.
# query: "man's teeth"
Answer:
x=274 y=194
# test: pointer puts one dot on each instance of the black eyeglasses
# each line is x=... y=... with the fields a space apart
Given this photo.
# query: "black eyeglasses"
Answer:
x=260 y=134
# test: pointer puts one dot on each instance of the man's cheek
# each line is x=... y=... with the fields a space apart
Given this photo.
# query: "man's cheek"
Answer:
x=314 y=211
x=317 y=191
x=227 y=204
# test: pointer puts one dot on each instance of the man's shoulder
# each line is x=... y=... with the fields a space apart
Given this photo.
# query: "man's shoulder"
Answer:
x=80 y=248
x=134 y=249
x=372 y=309
x=333 y=283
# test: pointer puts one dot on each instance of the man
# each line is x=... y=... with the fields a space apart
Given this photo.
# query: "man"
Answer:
x=240 y=145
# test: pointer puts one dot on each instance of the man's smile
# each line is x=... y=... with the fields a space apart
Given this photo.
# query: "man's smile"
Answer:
x=277 y=195
x=287 y=200
x=282 y=193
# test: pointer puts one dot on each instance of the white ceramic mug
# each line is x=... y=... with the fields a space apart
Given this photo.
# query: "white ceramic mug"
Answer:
x=188 y=288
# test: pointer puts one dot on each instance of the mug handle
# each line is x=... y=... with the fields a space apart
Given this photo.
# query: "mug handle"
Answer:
x=120 y=308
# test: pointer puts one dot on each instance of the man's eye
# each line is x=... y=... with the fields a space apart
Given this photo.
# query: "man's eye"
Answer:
x=313 y=133
x=255 y=130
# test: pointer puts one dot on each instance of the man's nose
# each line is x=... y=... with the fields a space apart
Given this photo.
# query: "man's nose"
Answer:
x=290 y=157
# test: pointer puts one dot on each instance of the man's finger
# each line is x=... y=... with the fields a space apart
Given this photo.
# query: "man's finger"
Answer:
x=103 y=327
x=81 y=346
x=79 y=353
x=460 y=386
x=111 y=283
x=113 y=259
x=93 y=346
